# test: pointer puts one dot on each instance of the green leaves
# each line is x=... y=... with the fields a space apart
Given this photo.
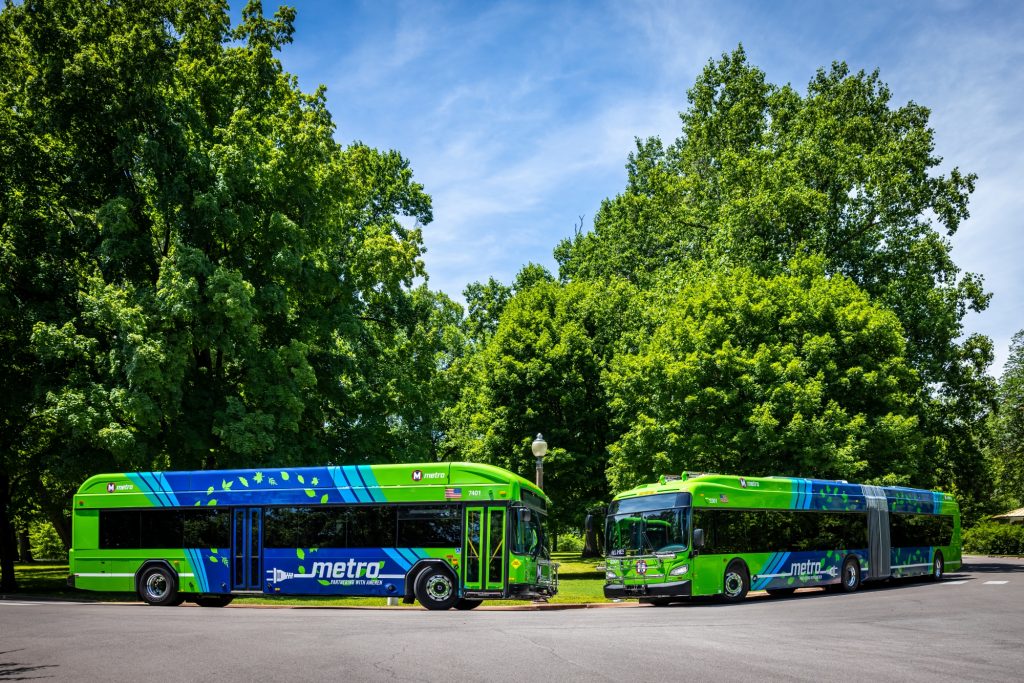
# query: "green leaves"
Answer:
x=787 y=375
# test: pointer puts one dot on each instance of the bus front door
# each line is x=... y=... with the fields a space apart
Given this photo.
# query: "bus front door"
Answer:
x=246 y=549
x=485 y=552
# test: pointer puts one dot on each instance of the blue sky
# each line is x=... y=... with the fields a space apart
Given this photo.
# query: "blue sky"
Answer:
x=517 y=117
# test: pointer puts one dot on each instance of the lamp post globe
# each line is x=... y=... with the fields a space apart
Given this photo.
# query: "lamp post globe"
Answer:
x=540 y=449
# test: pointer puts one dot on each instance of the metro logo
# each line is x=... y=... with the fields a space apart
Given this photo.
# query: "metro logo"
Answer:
x=346 y=570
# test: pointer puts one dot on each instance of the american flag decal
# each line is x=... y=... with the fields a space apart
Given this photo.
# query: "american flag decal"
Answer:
x=453 y=493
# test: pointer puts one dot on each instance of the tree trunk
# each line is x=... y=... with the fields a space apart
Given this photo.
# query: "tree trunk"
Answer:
x=24 y=547
x=591 y=548
x=8 y=543
x=62 y=524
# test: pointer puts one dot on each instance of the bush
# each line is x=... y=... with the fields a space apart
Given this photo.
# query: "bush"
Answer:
x=570 y=543
x=992 y=538
x=46 y=544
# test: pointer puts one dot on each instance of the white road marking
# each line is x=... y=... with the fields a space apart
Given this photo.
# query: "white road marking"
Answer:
x=995 y=583
x=17 y=603
x=954 y=583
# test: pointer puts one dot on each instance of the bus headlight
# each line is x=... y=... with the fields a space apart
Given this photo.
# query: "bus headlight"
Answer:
x=611 y=576
x=680 y=570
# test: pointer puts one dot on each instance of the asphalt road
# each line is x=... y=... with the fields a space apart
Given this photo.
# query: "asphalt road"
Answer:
x=968 y=627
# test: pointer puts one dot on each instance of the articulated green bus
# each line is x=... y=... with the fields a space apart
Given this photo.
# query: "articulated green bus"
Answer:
x=710 y=534
x=446 y=534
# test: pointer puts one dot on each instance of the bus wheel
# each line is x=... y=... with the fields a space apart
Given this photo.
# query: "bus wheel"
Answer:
x=214 y=600
x=157 y=586
x=465 y=603
x=938 y=567
x=435 y=589
x=780 y=592
x=736 y=582
x=850 y=576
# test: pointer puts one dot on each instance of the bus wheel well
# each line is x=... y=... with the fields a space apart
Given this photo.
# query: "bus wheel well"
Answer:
x=155 y=563
x=417 y=569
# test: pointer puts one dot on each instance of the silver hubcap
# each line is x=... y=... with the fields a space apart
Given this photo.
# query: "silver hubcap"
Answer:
x=938 y=567
x=157 y=586
x=733 y=583
x=851 y=575
x=439 y=587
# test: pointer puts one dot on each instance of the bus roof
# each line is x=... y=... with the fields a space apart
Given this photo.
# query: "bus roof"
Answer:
x=792 y=493
x=413 y=482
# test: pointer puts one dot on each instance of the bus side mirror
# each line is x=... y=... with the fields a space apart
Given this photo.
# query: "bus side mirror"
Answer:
x=526 y=516
x=698 y=538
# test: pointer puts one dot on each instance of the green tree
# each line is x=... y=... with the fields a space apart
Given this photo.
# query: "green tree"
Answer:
x=790 y=375
x=541 y=372
x=197 y=274
x=762 y=174
x=1008 y=424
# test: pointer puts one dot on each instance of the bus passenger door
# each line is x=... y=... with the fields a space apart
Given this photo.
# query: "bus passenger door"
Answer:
x=246 y=549
x=485 y=552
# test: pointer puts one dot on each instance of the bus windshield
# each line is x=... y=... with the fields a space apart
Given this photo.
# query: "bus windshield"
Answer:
x=646 y=532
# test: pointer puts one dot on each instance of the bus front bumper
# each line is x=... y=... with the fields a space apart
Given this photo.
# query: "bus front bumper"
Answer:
x=676 y=589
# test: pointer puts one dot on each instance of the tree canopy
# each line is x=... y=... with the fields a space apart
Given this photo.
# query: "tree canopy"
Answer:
x=197 y=274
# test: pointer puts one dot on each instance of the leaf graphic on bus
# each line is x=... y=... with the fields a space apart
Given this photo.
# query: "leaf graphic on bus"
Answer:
x=302 y=570
x=299 y=477
x=213 y=559
x=300 y=553
x=212 y=501
x=224 y=560
x=209 y=491
x=316 y=481
x=311 y=493
x=258 y=477
x=323 y=583
x=244 y=482
x=197 y=503
x=285 y=476
x=213 y=550
x=323 y=498
x=226 y=485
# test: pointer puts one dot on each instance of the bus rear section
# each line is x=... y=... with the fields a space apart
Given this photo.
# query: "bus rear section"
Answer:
x=724 y=535
x=447 y=535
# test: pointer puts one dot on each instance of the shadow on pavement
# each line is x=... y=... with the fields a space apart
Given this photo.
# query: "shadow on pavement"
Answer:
x=993 y=566
x=16 y=671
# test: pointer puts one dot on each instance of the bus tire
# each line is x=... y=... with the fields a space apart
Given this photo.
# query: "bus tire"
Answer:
x=435 y=589
x=938 y=567
x=466 y=603
x=214 y=600
x=158 y=586
x=780 y=592
x=849 y=577
x=735 y=581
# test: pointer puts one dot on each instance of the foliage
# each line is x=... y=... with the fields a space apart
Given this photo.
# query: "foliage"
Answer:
x=991 y=538
x=197 y=274
x=46 y=543
x=541 y=372
x=1007 y=424
x=569 y=542
x=762 y=174
x=797 y=374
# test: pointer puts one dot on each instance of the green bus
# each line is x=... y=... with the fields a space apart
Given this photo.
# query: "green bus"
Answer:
x=445 y=534
x=711 y=534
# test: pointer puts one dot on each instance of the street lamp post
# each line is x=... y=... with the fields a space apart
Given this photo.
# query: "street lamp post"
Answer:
x=540 y=449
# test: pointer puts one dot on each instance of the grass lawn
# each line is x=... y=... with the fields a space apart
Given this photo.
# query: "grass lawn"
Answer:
x=579 y=581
